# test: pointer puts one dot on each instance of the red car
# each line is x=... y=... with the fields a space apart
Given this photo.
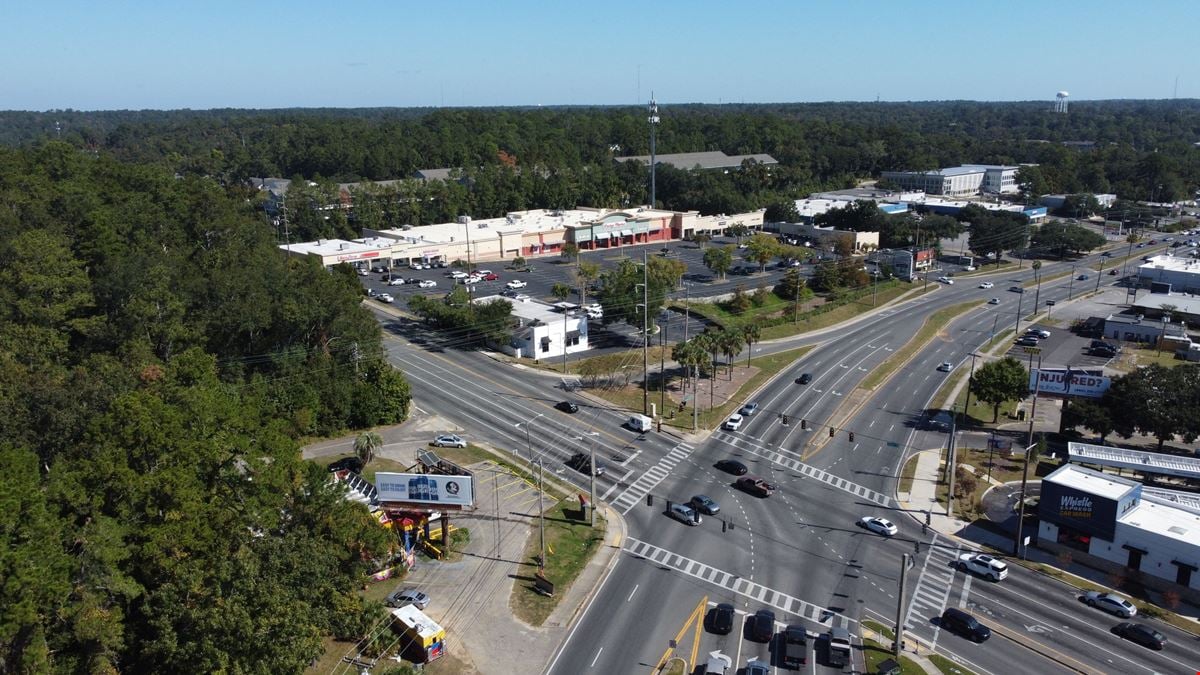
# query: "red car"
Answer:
x=492 y=276
x=755 y=486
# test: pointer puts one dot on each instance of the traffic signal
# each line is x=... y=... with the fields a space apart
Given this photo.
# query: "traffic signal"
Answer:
x=831 y=432
x=785 y=420
x=649 y=500
x=803 y=424
x=851 y=436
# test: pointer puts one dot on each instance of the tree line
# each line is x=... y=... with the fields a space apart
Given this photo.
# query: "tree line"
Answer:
x=159 y=360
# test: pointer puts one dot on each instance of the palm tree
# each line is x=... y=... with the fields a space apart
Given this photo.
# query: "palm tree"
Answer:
x=730 y=342
x=366 y=445
x=751 y=333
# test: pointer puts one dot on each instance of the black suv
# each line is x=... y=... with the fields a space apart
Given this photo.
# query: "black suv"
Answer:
x=347 y=464
x=958 y=621
x=722 y=619
x=763 y=627
x=580 y=461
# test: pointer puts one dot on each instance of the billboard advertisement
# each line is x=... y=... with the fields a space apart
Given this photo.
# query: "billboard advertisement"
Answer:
x=425 y=488
x=1053 y=382
x=1082 y=511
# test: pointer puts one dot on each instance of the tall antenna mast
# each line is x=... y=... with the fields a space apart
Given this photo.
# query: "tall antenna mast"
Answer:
x=653 y=161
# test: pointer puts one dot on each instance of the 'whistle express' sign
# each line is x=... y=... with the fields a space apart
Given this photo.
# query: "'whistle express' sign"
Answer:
x=1053 y=382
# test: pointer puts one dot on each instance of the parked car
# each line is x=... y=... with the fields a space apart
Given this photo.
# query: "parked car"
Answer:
x=1027 y=341
x=372 y=293
x=722 y=619
x=1039 y=332
x=379 y=269
x=763 y=626
x=516 y=283
x=406 y=597
x=984 y=565
x=734 y=422
x=878 y=525
x=1142 y=634
x=567 y=406
x=957 y=621
x=986 y=284
x=396 y=282
x=732 y=466
x=362 y=272
x=385 y=298
x=582 y=462
x=491 y=276
x=1111 y=603
x=428 y=283
x=684 y=514
x=749 y=409
x=804 y=379
x=449 y=441
x=457 y=275
x=705 y=505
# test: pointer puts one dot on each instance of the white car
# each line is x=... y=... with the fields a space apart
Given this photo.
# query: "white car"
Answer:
x=521 y=297
x=458 y=275
x=986 y=284
x=416 y=266
x=449 y=441
x=946 y=280
x=428 y=283
x=516 y=283
x=1113 y=604
x=362 y=272
x=472 y=280
x=685 y=514
x=946 y=367
x=878 y=525
x=396 y=282
x=994 y=301
x=482 y=273
x=734 y=422
x=984 y=565
x=384 y=297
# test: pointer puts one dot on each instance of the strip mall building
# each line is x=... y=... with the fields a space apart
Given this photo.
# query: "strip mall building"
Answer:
x=538 y=232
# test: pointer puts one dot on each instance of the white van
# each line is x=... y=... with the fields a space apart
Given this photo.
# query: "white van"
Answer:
x=640 y=423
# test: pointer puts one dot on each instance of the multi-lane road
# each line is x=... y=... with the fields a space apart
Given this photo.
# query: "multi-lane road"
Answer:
x=798 y=551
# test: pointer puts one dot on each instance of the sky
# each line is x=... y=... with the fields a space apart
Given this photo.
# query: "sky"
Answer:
x=89 y=55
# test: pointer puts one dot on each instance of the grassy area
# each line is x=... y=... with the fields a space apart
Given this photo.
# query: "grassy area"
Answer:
x=932 y=326
x=570 y=543
x=881 y=629
x=906 y=475
x=949 y=667
x=980 y=413
x=875 y=654
x=1004 y=469
x=835 y=316
x=675 y=666
x=1132 y=358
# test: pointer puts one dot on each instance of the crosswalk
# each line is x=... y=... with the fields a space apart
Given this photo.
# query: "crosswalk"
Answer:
x=931 y=591
x=808 y=470
x=736 y=584
x=651 y=478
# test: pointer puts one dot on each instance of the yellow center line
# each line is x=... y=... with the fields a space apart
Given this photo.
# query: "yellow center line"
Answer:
x=679 y=636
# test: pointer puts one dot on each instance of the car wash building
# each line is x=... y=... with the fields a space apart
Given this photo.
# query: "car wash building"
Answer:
x=1108 y=522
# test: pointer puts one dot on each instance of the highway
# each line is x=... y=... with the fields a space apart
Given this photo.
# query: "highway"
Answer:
x=798 y=551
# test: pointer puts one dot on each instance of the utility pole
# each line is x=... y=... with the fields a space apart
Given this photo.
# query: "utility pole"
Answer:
x=1018 y=550
x=592 y=487
x=662 y=369
x=1071 y=283
x=950 y=463
x=566 y=315
x=1099 y=274
x=906 y=562
x=796 y=306
x=541 y=518
x=653 y=119
x=687 y=308
x=645 y=333
x=1017 y=323
x=696 y=400
x=970 y=380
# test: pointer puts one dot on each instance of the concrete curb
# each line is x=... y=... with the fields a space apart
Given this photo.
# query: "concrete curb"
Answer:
x=906 y=297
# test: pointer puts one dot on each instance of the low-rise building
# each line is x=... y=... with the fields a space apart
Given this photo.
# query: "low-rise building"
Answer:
x=826 y=237
x=1136 y=328
x=1056 y=201
x=958 y=181
x=330 y=252
x=543 y=331
x=1175 y=274
x=714 y=159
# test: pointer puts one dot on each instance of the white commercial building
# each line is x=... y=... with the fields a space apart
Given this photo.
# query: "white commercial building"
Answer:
x=958 y=181
x=1108 y=522
x=542 y=330
x=1183 y=274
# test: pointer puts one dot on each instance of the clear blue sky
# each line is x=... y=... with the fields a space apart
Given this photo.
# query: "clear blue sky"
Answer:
x=251 y=54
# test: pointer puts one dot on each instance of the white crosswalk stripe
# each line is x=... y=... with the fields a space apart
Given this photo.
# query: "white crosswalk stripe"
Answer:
x=735 y=584
x=931 y=592
x=807 y=470
x=653 y=476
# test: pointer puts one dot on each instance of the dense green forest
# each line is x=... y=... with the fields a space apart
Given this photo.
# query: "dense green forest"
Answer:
x=515 y=158
x=159 y=359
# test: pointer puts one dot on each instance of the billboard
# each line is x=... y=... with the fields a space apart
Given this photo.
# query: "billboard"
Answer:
x=1078 y=510
x=1053 y=382
x=425 y=488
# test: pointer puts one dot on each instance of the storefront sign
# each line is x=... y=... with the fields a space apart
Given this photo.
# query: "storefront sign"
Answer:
x=358 y=256
x=1081 y=511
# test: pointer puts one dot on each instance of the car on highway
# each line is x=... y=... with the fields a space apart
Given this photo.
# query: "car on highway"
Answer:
x=1016 y=289
x=1081 y=277
x=1111 y=603
x=1141 y=634
x=568 y=407
x=749 y=409
x=755 y=486
x=878 y=525
x=1027 y=341
x=994 y=301
x=705 y=504
x=427 y=283
x=581 y=462
x=734 y=422
x=385 y=298
x=449 y=441
x=946 y=280
x=986 y=284
x=406 y=597
x=838 y=646
x=957 y=621
x=757 y=667
x=684 y=514
x=804 y=379
x=762 y=627
x=1106 y=254
x=794 y=645
x=946 y=366
x=732 y=466
x=984 y=565
x=722 y=619
x=516 y=283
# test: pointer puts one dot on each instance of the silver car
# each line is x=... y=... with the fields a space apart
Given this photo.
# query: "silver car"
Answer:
x=449 y=441
x=1113 y=604
x=684 y=514
x=408 y=596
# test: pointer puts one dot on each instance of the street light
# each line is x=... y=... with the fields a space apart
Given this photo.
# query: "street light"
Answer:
x=528 y=444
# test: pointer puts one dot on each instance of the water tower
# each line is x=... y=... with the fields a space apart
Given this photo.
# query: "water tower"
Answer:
x=1060 y=102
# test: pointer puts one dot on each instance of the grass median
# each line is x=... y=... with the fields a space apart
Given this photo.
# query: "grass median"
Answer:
x=932 y=326
x=570 y=544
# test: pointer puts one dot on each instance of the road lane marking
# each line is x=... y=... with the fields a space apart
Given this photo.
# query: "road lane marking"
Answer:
x=635 y=587
x=596 y=658
x=966 y=590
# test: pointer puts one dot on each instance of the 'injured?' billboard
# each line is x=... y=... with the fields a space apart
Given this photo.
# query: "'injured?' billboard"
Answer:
x=425 y=488
x=1053 y=382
